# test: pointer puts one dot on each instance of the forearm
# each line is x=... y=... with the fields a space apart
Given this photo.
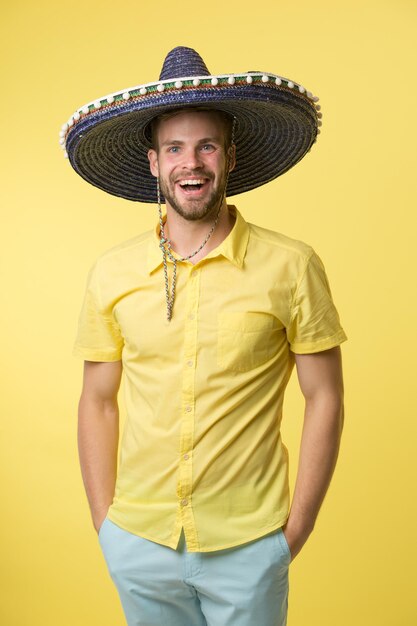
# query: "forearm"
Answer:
x=98 y=434
x=323 y=424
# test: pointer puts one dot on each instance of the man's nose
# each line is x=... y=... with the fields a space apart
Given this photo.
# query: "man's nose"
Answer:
x=192 y=159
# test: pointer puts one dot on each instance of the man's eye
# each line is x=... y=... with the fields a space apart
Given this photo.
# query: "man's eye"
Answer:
x=173 y=149
x=208 y=147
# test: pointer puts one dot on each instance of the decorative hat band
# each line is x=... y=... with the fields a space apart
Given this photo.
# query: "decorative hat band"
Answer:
x=186 y=83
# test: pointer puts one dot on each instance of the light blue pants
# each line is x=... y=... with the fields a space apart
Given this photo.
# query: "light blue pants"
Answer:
x=242 y=586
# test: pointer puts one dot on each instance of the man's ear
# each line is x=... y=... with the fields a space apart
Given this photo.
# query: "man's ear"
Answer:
x=232 y=157
x=153 y=162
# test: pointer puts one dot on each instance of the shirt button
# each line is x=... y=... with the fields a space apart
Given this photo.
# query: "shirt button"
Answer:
x=184 y=502
x=188 y=408
x=186 y=457
x=189 y=363
x=191 y=316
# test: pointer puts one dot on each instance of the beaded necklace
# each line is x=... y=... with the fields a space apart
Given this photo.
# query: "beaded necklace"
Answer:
x=165 y=245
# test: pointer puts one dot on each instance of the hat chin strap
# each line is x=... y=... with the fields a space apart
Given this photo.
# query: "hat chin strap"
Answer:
x=165 y=243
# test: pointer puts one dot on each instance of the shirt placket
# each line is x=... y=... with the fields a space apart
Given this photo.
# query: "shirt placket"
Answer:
x=184 y=486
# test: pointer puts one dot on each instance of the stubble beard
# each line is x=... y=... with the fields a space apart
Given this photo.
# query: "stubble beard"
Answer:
x=195 y=209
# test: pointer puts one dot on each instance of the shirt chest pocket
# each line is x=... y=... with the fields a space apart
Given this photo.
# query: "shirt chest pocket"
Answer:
x=246 y=340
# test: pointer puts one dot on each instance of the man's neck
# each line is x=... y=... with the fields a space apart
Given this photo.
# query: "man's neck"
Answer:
x=187 y=235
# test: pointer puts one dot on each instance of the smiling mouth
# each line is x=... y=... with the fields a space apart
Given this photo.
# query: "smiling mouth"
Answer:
x=192 y=185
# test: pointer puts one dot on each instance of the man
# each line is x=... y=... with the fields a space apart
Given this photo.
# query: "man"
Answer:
x=205 y=316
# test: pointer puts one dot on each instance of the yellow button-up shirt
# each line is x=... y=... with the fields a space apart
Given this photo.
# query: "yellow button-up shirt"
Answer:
x=201 y=447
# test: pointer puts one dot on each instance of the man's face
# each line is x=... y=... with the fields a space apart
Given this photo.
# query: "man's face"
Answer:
x=191 y=162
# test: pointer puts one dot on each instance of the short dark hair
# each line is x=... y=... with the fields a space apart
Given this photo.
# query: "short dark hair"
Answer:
x=152 y=129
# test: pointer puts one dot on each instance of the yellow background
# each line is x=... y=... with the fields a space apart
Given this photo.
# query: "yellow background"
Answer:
x=353 y=198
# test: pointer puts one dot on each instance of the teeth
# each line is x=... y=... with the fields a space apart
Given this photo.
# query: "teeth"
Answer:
x=191 y=182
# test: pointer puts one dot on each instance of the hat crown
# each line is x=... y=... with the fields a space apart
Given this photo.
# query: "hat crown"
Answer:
x=181 y=62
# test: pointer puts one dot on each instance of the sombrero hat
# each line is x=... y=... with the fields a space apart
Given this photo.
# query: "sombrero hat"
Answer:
x=277 y=122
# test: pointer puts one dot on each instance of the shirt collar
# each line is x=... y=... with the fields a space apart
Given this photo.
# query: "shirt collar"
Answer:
x=233 y=247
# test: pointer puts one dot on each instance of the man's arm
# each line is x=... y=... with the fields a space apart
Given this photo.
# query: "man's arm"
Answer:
x=321 y=382
x=98 y=434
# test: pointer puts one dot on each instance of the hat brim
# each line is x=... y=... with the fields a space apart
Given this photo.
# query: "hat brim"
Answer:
x=275 y=128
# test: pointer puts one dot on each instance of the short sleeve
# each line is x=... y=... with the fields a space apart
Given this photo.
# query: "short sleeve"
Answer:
x=98 y=337
x=314 y=324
